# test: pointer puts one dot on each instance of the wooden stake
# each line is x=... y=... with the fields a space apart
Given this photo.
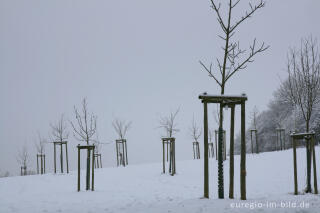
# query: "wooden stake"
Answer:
x=205 y=141
x=243 y=153
x=231 y=168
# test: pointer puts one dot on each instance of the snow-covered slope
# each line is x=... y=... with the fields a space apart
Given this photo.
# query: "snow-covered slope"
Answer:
x=142 y=188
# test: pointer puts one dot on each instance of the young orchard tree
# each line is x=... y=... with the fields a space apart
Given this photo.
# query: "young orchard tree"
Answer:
x=59 y=130
x=121 y=127
x=302 y=87
x=59 y=133
x=23 y=158
x=40 y=145
x=253 y=116
x=169 y=124
x=195 y=131
x=233 y=60
x=84 y=129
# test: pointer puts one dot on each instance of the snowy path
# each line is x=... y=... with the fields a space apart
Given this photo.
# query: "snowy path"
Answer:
x=142 y=188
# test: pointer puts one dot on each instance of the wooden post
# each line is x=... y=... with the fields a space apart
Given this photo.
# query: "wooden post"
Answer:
x=41 y=163
x=314 y=166
x=92 y=187
x=117 y=150
x=78 y=167
x=37 y=164
x=295 y=166
x=257 y=145
x=205 y=141
x=44 y=163
x=243 y=153
x=67 y=158
x=284 y=139
x=231 y=168
x=54 y=154
x=251 y=142
x=126 y=152
x=123 y=155
x=61 y=157
x=163 y=157
x=194 y=156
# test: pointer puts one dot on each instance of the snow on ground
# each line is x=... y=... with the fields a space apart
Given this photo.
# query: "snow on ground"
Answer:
x=142 y=188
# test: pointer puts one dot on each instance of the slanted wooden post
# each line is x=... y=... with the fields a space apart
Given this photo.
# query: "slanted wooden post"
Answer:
x=231 y=168
x=243 y=172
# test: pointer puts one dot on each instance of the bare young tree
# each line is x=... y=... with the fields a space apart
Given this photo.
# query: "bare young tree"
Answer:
x=195 y=131
x=84 y=131
x=302 y=87
x=40 y=144
x=232 y=61
x=253 y=117
x=23 y=159
x=59 y=130
x=86 y=124
x=168 y=123
x=121 y=127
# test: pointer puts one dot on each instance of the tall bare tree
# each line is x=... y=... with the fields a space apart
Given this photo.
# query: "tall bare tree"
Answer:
x=302 y=88
x=121 y=127
x=232 y=61
x=23 y=158
x=168 y=123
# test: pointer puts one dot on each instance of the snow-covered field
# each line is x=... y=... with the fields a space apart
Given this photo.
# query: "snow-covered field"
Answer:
x=142 y=188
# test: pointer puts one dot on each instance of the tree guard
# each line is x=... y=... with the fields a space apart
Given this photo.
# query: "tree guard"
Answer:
x=224 y=145
x=231 y=102
x=42 y=163
x=196 y=150
x=60 y=143
x=309 y=138
x=121 y=149
x=89 y=148
x=255 y=132
x=281 y=139
x=170 y=144
x=97 y=160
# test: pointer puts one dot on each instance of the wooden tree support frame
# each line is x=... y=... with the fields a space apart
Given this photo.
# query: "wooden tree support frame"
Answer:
x=281 y=139
x=97 y=160
x=231 y=102
x=170 y=142
x=309 y=138
x=224 y=145
x=210 y=150
x=255 y=133
x=196 y=150
x=23 y=170
x=60 y=143
x=89 y=148
x=121 y=149
x=42 y=169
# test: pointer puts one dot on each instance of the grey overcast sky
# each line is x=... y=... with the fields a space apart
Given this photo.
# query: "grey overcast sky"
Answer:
x=133 y=59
